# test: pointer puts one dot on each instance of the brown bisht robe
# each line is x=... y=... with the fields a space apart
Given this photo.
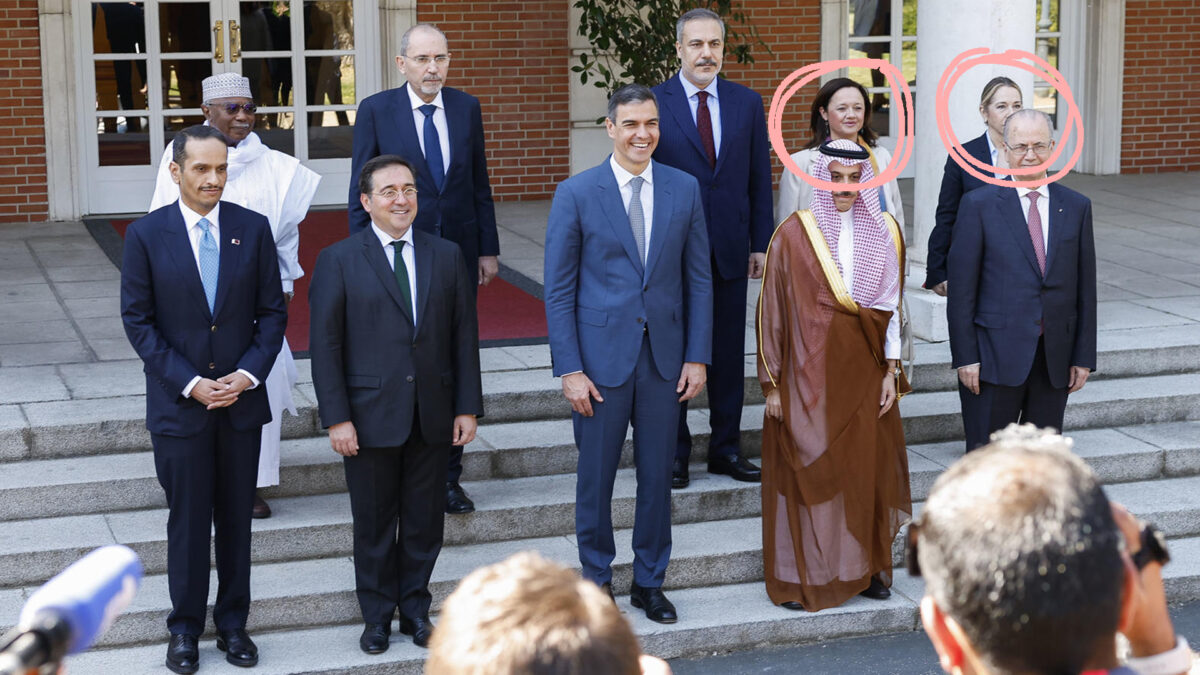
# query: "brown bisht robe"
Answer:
x=834 y=474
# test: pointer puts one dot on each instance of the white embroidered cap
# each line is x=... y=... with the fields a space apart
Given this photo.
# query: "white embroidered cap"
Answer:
x=226 y=85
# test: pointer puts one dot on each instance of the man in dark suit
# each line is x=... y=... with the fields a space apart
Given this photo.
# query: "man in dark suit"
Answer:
x=395 y=362
x=439 y=130
x=715 y=130
x=1022 y=313
x=629 y=312
x=203 y=308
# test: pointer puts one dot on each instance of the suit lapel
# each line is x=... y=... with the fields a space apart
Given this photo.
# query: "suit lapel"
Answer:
x=458 y=124
x=677 y=105
x=662 y=219
x=729 y=120
x=614 y=207
x=378 y=261
x=1057 y=225
x=407 y=126
x=231 y=257
x=423 y=257
x=1010 y=212
x=179 y=246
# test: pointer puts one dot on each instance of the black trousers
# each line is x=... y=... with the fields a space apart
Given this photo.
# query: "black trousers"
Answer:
x=398 y=500
x=209 y=481
x=1035 y=401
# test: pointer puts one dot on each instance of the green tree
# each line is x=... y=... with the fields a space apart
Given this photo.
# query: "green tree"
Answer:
x=634 y=40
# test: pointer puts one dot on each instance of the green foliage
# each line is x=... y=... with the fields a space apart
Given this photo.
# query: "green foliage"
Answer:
x=634 y=40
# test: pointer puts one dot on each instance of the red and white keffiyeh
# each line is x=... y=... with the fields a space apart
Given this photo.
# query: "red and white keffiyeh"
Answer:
x=876 y=268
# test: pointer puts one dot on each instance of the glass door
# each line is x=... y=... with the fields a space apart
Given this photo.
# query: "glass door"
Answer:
x=146 y=59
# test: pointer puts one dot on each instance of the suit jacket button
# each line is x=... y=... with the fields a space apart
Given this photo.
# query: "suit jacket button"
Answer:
x=409 y=378
x=212 y=366
x=645 y=288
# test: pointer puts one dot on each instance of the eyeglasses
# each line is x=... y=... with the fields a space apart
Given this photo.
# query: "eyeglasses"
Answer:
x=440 y=59
x=391 y=194
x=232 y=108
x=1038 y=148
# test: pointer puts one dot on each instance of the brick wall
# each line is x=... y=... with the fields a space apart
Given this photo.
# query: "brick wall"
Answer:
x=1162 y=85
x=22 y=141
x=514 y=58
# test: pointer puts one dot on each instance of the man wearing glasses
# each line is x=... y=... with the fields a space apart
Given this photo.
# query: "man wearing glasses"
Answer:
x=276 y=185
x=1023 y=313
x=439 y=130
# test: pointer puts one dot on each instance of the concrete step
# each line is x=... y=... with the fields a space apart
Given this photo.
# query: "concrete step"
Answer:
x=95 y=423
x=319 y=525
x=727 y=617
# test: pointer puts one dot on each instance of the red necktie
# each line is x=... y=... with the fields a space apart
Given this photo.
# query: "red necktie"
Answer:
x=704 y=126
x=1035 y=232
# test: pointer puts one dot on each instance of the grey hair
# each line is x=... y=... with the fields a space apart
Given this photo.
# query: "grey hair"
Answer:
x=630 y=93
x=1029 y=114
x=693 y=14
x=404 y=39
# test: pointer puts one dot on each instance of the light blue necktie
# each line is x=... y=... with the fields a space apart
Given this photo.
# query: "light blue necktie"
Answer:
x=210 y=262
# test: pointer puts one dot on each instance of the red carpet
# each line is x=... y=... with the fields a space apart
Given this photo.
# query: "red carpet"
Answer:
x=507 y=313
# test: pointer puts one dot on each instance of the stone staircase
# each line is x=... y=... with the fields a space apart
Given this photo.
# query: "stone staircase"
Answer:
x=78 y=474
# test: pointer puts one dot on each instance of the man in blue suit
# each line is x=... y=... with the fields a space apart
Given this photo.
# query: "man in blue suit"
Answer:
x=1022 y=313
x=203 y=307
x=440 y=131
x=715 y=130
x=629 y=312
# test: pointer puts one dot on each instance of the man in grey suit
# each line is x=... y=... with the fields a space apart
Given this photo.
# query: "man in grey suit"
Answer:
x=395 y=361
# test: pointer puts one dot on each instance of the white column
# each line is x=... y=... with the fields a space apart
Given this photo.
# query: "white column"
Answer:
x=395 y=17
x=945 y=29
x=59 y=50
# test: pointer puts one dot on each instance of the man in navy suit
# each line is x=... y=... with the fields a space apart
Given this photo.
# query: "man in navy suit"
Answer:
x=715 y=130
x=1023 y=310
x=629 y=312
x=440 y=131
x=203 y=307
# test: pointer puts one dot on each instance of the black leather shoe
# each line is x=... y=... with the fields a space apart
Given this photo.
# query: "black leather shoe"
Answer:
x=679 y=474
x=792 y=605
x=736 y=467
x=183 y=654
x=419 y=628
x=658 y=607
x=607 y=588
x=239 y=649
x=457 y=500
x=876 y=591
x=374 y=638
x=261 y=508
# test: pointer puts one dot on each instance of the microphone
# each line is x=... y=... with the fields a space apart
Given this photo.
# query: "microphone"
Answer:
x=67 y=614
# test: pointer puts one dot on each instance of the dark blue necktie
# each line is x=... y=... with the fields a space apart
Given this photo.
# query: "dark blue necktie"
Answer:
x=433 y=147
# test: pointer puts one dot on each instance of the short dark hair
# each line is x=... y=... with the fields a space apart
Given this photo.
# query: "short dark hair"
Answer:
x=1017 y=543
x=195 y=132
x=366 y=177
x=694 y=14
x=626 y=94
x=820 y=129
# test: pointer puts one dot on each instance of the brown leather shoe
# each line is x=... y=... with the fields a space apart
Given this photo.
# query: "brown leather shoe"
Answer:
x=261 y=508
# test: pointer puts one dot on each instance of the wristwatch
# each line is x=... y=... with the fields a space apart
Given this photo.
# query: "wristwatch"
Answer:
x=1153 y=547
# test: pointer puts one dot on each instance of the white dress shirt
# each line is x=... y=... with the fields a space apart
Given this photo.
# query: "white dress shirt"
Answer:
x=1043 y=207
x=195 y=233
x=891 y=345
x=410 y=260
x=647 y=193
x=999 y=159
x=714 y=107
x=439 y=122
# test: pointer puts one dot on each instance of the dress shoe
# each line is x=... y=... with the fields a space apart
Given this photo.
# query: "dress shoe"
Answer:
x=374 y=638
x=183 y=654
x=457 y=500
x=792 y=605
x=658 y=607
x=876 y=591
x=261 y=508
x=679 y=474
x=419 y=628
x=606 y=587
x=239 y=649
x=736 y=467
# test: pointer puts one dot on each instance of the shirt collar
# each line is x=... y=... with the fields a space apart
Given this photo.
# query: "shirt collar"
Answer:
x=190 y=217
x=416 y=101
x=691 y=89
x=623 y=176
x=386 y=240
x=992 y=149
x=1042 y=190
